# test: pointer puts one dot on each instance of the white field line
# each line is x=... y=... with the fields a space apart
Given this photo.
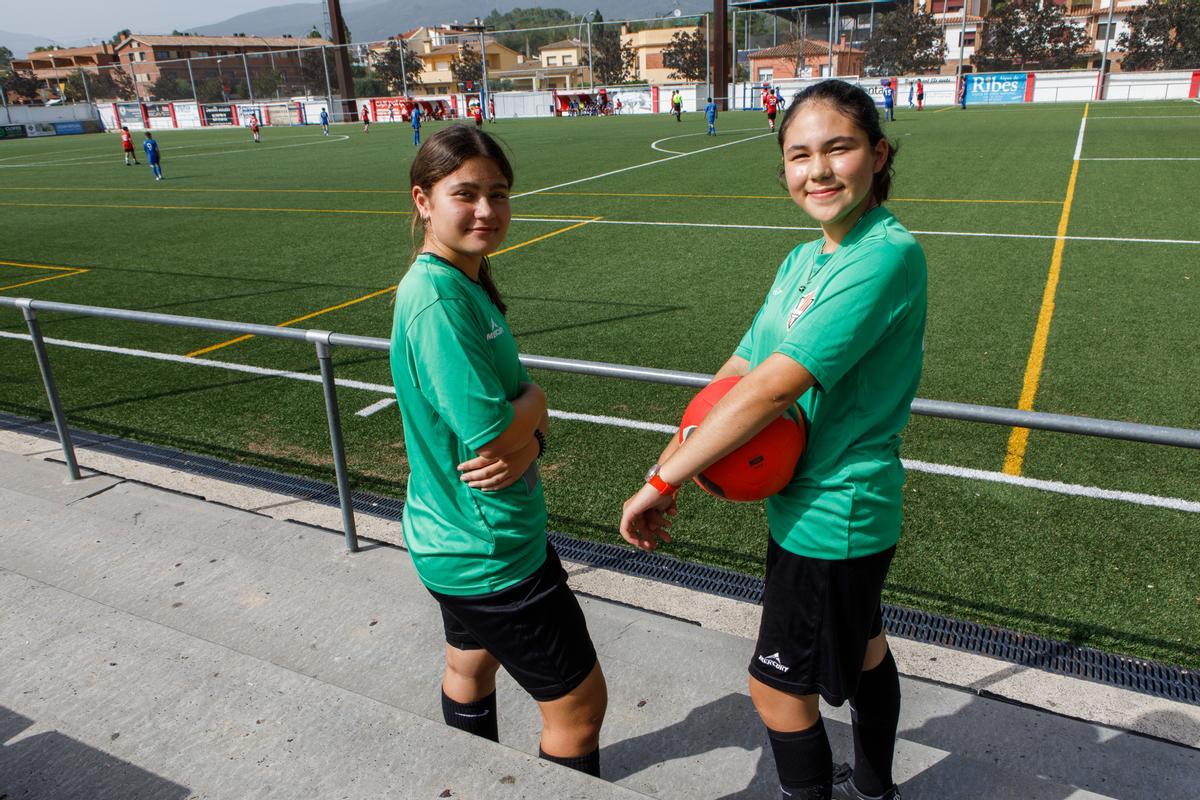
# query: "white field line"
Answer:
x=980 y=234
x=639 y=166
x=107 y=158
x=376 y=407
x=1147 y=116
x=1079 y=139
x=1142 y=158
x=1056 y=487
x=655 y=144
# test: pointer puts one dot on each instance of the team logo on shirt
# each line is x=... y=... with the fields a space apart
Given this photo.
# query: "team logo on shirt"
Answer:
x=804 y=304
x=773 y=661
x=496 y=331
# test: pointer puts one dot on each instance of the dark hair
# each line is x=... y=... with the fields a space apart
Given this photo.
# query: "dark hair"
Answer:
x=442 y=154
x=859 y=108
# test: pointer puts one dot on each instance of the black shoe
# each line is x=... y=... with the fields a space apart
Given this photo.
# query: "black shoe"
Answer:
x=844 y=788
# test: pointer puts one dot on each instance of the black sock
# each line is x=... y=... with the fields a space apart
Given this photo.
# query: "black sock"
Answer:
x=875 y=709
x=804 y=762
x=478 y=717
x=588 y=763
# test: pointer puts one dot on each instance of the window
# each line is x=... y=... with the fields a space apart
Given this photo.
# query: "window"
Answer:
x=566 y=59
x=551 y=61
x=200 y=54
x=968 y=39
x=766 y=73
x=1102 y=31
x=162 y=55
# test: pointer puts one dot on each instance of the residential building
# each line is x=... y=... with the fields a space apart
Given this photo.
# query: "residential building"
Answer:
x=648 y=46
x=805 y=58
x=146 y=58
x=436 y=75
x=963 y=34
x=55 y=65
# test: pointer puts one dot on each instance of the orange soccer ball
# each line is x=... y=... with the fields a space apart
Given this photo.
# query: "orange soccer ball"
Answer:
x=759 y=468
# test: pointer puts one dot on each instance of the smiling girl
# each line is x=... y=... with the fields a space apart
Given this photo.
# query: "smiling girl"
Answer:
x=474 y=426
x=839 y=335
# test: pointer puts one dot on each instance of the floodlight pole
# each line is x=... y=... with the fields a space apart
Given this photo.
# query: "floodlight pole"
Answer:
x=1100 y=83
x=591 y=62
x=192 y=81
x=87 y=93
x=328 y=88
x=246 y=69
x=962 y=38
x=403 y=71
x=733 y=66
x=708 y=51
x=830 y=75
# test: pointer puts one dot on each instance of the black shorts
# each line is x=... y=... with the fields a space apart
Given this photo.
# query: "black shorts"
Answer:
x=818 y=616
x=771 y=115
x=534 y=628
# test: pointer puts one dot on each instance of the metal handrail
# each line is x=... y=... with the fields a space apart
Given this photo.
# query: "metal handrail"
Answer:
x=324 y=341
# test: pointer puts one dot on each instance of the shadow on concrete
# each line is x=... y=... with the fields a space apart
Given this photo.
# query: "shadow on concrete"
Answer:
x=53 y=766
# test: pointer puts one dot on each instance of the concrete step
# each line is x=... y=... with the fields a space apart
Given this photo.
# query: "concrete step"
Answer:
x=680 y=724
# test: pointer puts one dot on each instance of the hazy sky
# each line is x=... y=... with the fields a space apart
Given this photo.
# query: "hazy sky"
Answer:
x=81 y=19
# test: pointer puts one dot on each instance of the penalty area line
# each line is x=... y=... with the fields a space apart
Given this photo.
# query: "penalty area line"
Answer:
x=948 y=470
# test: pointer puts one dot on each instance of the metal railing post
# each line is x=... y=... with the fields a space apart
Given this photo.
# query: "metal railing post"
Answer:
x=321 y=340
x=60 y=420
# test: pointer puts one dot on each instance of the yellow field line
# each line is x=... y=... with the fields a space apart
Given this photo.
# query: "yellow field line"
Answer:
x=309 y=316
x=1018 y=440
x=947 y=108
x=40 y=266
x=68 y=272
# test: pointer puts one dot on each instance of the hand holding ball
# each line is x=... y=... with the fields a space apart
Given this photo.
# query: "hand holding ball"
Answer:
x=759 y=468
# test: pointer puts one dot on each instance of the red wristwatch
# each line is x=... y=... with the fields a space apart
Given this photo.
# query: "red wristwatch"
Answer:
x=658 y=483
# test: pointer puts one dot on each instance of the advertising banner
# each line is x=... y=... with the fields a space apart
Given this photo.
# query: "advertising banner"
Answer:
x=218 y=115
x=130 y=114
x=65 y=128
x=158 y=110
x=999 y=87
x=12 y=131
x=39 y=129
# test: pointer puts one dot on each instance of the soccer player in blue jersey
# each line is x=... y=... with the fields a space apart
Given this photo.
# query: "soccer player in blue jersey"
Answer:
x=416 y=124
x=151 y=148
x=710 y=111
x=325 y=122
x=889 y=102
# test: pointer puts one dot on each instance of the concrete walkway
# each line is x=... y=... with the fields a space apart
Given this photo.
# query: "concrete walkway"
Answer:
x=157 y=645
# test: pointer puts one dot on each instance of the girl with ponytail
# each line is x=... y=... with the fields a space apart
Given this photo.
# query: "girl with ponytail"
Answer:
x=474 y=427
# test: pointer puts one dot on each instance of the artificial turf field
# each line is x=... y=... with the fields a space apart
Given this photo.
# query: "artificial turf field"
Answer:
x=301 y=224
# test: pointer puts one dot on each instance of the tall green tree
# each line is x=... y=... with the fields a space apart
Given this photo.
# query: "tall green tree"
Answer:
x=1029 y=33
x=522 y=18
x=687 y=56
x=110 y=83
x=1163 y=34
x=5 y=59
x=905 y=42
x=120 y=36
x=615 y=63
x=396 y=64
x=21 y=84
x=467 y=66
x=169 y=87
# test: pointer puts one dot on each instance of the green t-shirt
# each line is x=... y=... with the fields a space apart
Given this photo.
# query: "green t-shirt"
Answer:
x=855 y=319
x=455 y=368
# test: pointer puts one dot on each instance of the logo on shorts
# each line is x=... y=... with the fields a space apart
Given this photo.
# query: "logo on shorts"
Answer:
x=496 y=331
x=773 y=661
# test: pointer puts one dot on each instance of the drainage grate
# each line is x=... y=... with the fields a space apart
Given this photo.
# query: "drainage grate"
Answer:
x=1063 y=658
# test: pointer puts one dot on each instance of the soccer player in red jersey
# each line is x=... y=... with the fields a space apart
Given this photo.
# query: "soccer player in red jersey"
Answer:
x=127 y=146
x=771 y=106
x=254 y=127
